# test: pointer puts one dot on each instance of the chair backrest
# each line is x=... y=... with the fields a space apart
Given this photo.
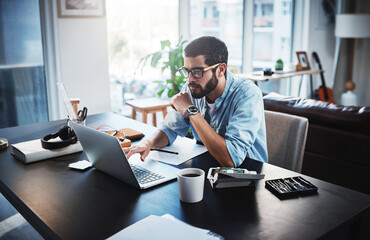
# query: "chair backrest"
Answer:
x=286 y=139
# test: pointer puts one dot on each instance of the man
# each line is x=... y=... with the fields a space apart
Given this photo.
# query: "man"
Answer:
x=224 y=113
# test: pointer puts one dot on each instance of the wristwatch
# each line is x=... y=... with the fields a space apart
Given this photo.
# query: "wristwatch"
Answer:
x=191 y=110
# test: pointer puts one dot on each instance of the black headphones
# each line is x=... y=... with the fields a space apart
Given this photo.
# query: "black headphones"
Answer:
x=65 y=133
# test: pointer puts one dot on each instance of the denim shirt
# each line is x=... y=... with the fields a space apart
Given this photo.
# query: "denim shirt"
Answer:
x=238 y=117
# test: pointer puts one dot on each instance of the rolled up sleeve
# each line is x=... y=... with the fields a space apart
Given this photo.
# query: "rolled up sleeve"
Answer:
x=242 y=130
x=174 y=125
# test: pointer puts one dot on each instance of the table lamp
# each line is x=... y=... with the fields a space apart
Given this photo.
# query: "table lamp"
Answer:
x=351 y=26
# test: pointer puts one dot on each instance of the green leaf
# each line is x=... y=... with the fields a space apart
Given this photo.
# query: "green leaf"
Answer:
x=143 y=61
x=165 y=43
x=170 y=80
x=180 y=61
x=159 y=93
x=172 y=57
x=165 y=65
x=155 y=58
x=171 y=92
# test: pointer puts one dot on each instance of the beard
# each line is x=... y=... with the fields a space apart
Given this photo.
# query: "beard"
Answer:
x=210 y=86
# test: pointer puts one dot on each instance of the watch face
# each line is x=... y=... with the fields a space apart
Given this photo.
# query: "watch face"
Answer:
x=193 y=109
x=190 y=111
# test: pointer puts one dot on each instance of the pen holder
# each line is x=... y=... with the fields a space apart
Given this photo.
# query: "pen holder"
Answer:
x=83 y=122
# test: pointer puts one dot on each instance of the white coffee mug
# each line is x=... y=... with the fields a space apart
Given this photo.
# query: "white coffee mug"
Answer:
x=191 y=184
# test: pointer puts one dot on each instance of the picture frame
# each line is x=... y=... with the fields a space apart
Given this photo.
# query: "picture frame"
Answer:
x=81 y=8
x=303 y=60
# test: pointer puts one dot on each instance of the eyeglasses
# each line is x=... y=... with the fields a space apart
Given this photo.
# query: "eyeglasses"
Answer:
x=196 y=72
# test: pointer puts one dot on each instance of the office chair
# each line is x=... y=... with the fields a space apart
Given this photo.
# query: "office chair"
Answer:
x=286 y=139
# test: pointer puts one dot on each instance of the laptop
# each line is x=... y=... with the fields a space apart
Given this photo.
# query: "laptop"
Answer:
x=105 y=154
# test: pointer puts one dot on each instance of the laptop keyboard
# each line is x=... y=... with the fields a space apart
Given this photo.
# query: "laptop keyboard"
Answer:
x=143 y=175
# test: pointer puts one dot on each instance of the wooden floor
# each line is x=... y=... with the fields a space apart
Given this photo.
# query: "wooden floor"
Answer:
x=13 y=225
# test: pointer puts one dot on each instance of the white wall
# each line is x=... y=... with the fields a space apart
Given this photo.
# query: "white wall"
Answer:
x=83 y=55
x=321 y=40
x=361 y=70
x=310 y=34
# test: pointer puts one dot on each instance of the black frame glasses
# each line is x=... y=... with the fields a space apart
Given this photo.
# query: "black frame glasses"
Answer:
x=195 y=72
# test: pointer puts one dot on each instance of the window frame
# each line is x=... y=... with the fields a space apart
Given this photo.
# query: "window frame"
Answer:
x=49 y=31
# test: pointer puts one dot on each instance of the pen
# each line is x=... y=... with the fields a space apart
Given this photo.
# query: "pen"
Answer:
x=161 y=150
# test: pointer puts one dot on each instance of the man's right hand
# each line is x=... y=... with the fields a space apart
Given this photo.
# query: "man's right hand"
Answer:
x=143 y=147
x=180 y=102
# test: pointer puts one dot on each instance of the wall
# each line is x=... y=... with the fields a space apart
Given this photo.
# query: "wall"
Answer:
x=361 y=70
x=321 y=40
x=83 y=54
x=312 y=33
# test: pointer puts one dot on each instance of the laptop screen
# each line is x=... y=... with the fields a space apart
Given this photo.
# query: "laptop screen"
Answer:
x=66 y=101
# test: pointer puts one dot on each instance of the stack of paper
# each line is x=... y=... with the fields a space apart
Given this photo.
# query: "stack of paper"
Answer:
x=164 y=227
x=185 y=148
x=32 y=151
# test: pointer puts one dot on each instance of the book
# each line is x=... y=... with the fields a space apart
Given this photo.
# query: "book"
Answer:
x=32 y=151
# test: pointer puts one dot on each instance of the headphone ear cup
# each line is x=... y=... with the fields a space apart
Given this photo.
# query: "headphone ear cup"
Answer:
x=65 y=133
x=71 y=133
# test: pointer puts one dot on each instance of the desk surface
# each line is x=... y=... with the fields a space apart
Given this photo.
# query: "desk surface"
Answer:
x=62 y=203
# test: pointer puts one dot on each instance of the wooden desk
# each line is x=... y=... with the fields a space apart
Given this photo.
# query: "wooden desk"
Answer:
x=61 y=203
x=148 y=105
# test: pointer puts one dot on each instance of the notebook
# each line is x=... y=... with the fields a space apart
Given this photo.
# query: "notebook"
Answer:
x=105 y=154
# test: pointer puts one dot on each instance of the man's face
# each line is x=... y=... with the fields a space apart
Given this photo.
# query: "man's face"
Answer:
x=200 y=87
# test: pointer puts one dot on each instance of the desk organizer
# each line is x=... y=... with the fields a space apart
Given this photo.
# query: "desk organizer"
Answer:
x=290 y=187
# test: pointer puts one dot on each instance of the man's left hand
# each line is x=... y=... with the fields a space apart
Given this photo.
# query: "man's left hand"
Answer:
x=180 y=102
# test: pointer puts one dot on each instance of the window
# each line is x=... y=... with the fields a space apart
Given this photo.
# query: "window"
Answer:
x=135 y=29
x=271 y=28
x=22 y=76
x=221 y=19
x=286 y=7
x=272 y=37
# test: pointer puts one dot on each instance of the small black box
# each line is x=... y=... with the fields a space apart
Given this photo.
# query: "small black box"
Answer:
x=290 y=187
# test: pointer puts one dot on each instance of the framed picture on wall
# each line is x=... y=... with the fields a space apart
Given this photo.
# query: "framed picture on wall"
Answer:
x=81 y=8
x=303 y=60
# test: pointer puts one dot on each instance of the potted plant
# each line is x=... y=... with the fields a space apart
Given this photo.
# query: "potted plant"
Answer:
x=170 y=58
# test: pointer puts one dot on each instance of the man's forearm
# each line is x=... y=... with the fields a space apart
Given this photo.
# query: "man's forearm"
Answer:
x=158 y=139
x=215 y=144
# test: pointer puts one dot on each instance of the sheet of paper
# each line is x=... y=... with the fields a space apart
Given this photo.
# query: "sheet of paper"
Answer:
x=185 y=147
x=80 y=165
x=156 y=227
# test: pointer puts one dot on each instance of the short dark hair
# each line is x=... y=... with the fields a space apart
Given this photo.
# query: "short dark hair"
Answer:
x=213 y=49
